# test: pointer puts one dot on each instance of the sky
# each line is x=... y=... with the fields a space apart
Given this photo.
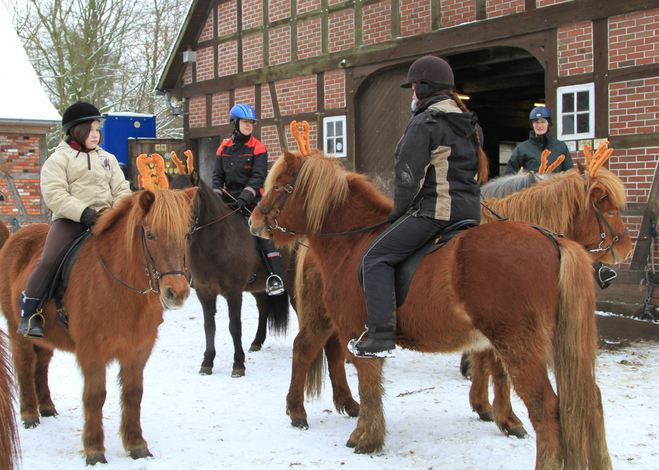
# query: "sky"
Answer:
x=207 y=422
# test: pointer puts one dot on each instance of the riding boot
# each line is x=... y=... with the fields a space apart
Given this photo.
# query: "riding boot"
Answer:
x=29 y=325
x=381 y=342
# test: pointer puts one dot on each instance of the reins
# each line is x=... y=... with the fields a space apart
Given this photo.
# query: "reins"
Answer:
x=194 y=228
x=153 y=279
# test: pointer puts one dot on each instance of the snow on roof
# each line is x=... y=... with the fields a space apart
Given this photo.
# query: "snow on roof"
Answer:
x=128 y=114
x=23 y=98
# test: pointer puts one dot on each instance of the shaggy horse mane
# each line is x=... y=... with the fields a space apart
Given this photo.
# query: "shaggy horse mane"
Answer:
x=327 y=185
x=565 y=190
x=169 y=215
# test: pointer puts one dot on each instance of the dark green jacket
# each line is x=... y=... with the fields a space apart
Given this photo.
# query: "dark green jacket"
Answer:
x=528 y=154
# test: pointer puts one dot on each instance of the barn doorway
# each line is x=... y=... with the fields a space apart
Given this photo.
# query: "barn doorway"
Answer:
x=502 y=84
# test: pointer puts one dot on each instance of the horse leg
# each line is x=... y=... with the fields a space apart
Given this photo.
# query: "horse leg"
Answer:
x=131 y=376
x=368 y=436
x=207 y=302
x=93 y=398
x=46 y=405
x=478 y=393
x=336 y=358
x=235 y=303
x=24 y=356
x=504 y=416
x=263 y=306
x=528 y=372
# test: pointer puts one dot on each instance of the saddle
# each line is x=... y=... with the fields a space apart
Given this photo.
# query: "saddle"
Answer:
x=60 y=281
x=404 y=271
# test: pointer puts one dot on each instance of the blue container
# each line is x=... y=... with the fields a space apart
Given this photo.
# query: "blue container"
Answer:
x=119 y=127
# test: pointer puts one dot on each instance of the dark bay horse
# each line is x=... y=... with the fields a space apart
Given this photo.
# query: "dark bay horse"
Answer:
x=561 y=205
x=499 y=286
x=140 y=243
x=224 y=260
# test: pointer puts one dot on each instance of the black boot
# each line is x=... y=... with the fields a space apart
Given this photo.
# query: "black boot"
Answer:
x=30 y=318
x=379 y=344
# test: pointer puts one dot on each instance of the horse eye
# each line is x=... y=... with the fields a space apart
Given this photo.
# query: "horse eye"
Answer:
x=150 y=236
x=612 y=213
x=276 y=187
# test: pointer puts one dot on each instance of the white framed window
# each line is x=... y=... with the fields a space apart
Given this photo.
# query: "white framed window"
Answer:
x=576 y=112
x=335 y=136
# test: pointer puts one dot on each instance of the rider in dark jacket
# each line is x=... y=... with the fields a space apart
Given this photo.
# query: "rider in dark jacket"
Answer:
x=437 y=161
x=241 y=166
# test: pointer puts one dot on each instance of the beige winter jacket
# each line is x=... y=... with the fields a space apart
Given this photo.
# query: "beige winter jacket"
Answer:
x=73 y=180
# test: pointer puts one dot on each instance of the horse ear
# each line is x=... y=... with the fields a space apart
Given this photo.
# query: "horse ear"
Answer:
x=582 y=168
x=290 y=159
x=146 y=200
x=194 y=177
x=191 y=192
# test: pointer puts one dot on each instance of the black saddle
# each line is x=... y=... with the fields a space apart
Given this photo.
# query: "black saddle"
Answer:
x=61 y=280
x=404 y=271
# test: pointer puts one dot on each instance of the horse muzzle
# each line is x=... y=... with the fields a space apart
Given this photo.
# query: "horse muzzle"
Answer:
x=257 y=231
x=174 y=299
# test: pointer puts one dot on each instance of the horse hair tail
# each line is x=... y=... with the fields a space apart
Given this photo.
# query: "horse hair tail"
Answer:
x=9 y=445
x=583 y=441
x=278 y=313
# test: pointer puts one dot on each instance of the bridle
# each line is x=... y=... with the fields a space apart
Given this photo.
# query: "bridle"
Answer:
x=154 y=275
x=287 y=190
x=615 y=238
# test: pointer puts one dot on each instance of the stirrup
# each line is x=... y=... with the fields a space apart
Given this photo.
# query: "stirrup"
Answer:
x=32 y=330
x=274 y=285
x=353 y=347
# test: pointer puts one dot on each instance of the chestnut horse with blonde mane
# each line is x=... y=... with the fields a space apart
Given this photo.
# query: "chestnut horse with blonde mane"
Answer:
x=131 y=268
x=539 y=308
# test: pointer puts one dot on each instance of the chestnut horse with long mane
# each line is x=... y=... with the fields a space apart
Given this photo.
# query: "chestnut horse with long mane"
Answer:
x=539 y=307
x=131 y=268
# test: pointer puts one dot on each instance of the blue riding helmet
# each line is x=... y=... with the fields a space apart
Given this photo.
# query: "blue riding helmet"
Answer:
x=242 y=111
x=540 y=112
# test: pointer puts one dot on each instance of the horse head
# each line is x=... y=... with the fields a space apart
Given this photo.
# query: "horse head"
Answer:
x=157 y=228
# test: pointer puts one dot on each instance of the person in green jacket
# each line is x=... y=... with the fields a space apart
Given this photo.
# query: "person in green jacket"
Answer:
x=527 y=155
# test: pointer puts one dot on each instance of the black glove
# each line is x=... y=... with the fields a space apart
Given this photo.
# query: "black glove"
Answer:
x=240 y=203
x=392 y=218
x=89 y=217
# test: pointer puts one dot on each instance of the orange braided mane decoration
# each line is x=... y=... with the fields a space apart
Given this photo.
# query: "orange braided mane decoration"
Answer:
x=179 y=163
x=151 y=172
x=302 y=138
x=595 y=162
x=543 y=166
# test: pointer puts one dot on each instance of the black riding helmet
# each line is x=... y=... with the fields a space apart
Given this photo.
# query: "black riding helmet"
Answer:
x=431 y=71
x=80 y=112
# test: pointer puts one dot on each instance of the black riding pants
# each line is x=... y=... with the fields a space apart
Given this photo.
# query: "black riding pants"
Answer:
x=397 y=243
x=60 y=237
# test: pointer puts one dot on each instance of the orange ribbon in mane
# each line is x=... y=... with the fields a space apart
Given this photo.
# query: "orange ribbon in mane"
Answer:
x=179 y=163
x=151 y=177
x=302 y=138
x=543 y=166
x=596 y=161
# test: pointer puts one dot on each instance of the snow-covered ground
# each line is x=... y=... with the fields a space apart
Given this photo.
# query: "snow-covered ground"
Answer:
x=209 y=422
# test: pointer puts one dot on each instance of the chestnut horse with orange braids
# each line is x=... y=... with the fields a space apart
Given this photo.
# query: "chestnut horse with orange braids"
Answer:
x=539 y=307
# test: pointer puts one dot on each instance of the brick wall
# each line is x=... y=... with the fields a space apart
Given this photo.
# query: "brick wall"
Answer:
x=267 y=110
x=221 y=108
x=252 y=52
x=634 y=39
x=414 y=17
x=297 y=95
x=280 y=45
x=497 y=8
x=636 y=167
x=21 y=155
x=205 y=64
x=341 y=30
x=376 y=22
x=304 y=6
x=227 y=57
x=546 y=3
x=270 y=139
x=335 y=96
x=187 y=76
x=634 y=106
x=207 y=32
x=575 y=49
x=227 y=18
x=455 y=12
x=309 y=39
x=197 y=109
x=244 y=95
x=279 y=9
x=252 y=13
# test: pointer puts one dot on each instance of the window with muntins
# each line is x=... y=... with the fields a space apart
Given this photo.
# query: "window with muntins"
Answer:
x=335 y=136
x=576 y=112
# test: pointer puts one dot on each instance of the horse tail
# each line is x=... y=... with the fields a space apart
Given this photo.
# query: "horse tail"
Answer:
x=583 y=442
x=9 y=445
x=278 y=311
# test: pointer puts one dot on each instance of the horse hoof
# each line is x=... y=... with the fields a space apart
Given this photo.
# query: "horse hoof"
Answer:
x=255 y=348
x=206 y=370
x=140 y=453
x=519 y=433
x=300 y=423
x=30 y=423
x=238 y=373
x=351 y=444
x=487 y=417
x=49 y=412
x=354 y=413
x=93 y=459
